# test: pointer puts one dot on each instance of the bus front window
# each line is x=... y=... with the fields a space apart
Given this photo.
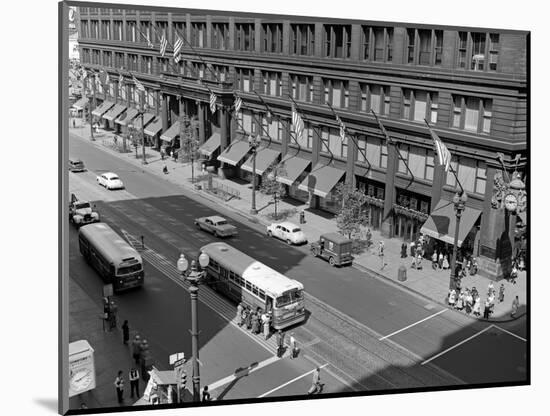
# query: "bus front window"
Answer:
x=283 y=300
x=129 y=269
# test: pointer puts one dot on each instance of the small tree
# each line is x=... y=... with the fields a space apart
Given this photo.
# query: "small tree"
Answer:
x=353 y=213
x=270 y=185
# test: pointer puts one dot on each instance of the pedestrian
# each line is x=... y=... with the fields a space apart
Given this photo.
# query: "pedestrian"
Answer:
x=468 y=301
x=162 y=153
x=136 y=343
x=501 y=293
x=403 y=250
x=119 y=385
x=445 y=262
x=205 y=394
x=248 y=319
x=74 y=123
x=460 y=301
x=440 y=259
x=255 y=324
x=265 y=320
x=434 y=260
x=477 y=306
x=515 y=307
x=165 y=170
x=487 y=309
x=369 y=238
x=381 y=254
x=113 y=308
x=452 y=298
x=490 y=288
x=293 y=346
x=133 y=376
x=280 y=342
x=125 y=332
x=302 y=217
x=240 y=314
x=412 y=248
x=315 y=382
x=514 y=274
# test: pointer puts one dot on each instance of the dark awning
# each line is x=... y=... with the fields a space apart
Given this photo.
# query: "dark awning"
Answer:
x=441 y=223
x=234 y=152
x=172 y=132
x=114 y=112
x=81 y=104
x=211 y=145
x=321 y=180
x=153 y=128
x=264 y=158
x=102 y=108
x=147 y=117
x=291 y=168
x=127 y=117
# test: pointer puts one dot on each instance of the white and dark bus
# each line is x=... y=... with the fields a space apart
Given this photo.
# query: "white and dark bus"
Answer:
x=246 y=280
x=113 y=258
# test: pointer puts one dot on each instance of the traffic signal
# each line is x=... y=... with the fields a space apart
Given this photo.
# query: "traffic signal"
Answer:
x=183 y=378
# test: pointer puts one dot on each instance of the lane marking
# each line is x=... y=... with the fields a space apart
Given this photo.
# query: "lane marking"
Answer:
x=457 y=345
x=411 y=325
x=510 y=333
x=242 y=373
x=289 y=382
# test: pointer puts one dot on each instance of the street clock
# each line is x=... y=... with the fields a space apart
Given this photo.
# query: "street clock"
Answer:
x=510 y=202
x=81 y=380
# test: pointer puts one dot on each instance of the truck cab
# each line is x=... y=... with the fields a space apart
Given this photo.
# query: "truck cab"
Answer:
x=333 y=247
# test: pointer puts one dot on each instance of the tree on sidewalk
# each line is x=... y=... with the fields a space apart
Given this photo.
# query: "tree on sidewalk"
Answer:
x=354 y=211
x=270 y=185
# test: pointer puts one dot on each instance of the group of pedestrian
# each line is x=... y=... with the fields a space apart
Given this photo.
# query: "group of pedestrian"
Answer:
x=133 y=376
x=110 y=310
x=440 y=260
x=255 y=321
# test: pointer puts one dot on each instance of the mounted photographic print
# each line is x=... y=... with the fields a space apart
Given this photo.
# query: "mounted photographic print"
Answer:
x=262 y=207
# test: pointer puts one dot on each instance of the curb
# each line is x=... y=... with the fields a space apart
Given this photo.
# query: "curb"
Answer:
x=258 y=221
x=387 y=280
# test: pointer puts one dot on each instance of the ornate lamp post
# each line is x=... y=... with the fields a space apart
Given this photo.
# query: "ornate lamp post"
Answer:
x=141 y=111
x=194 y=276
x=459 y=201
x=253 y=142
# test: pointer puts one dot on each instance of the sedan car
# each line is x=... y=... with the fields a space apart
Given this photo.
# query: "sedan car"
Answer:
x=216 y=225
x=76 y=165
x=110 y=181
x=288 y=232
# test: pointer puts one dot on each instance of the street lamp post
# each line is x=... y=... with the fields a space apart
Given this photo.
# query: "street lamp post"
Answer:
x=193 y=277
x=141 y=112
x=253 y=142
x=459 y=201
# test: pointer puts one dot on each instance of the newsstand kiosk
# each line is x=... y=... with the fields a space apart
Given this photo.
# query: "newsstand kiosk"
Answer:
x=161 y=388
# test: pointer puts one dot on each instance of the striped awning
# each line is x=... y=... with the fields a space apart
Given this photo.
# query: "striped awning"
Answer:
x=235 y=152
x=321 y=180
x=114 y=112
x=153 y=128
x=211 y=145
x=127 y=117
x=102 y=108
x=81 y=104
x=264 y=159
x=172 y=132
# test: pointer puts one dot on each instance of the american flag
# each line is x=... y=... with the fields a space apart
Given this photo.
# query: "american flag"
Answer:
x=107 y=78
x=213 y=99
x=149 y=43
x=443 y=154
x=342 y=128
x=238 y=104
x=163 y=44
x=297 y=122
x=177 y=48
x=139 y=85
x=120 y=79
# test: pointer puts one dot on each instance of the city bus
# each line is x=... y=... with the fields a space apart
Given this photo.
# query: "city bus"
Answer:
x=113 y=258
x=246 y=280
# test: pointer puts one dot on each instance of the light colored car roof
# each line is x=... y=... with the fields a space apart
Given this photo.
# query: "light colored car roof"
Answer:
x=215 y=218
x=287 y=224
x=109 y=175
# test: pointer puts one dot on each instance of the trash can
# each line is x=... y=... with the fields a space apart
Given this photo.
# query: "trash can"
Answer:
x=402 y=273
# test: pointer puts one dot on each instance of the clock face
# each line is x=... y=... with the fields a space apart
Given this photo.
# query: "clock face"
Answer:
x=81 y=380
x=510 y=202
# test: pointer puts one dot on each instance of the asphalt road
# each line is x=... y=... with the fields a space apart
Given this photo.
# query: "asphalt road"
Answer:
x=401 y=330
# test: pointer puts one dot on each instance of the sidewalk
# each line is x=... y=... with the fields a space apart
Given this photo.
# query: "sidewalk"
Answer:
x=428 y=283
x=110 y=354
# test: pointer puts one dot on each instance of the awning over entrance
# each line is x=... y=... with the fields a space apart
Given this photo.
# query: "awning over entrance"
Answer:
x=147 y=117
x=234 y=152
x=292 y=168
x=127 y=117
x=153 y=128
x=211 y=145
x=102 y=108
x=441 y=224
x=321 y=180
x=114 y=112
x=172 y=132
x=264 y=158
x=81 y=104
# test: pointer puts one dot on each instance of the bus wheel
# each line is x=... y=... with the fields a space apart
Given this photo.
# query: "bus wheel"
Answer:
x=331 y=261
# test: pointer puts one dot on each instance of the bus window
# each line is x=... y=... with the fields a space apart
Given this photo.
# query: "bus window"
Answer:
x=261 y=293
x=283 y=300
x=255 y=290
x=129 y=269
x=248 y=286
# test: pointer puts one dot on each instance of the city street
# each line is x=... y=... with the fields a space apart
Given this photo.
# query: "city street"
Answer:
x=371 y=335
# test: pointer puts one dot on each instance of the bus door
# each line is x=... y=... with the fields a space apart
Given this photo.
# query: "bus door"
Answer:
x=268 y=304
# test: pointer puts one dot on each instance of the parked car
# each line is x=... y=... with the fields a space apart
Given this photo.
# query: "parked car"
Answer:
x=216 y=225
x=110 y=181
x=333 y=247
x=288 y=232
x=76 y=165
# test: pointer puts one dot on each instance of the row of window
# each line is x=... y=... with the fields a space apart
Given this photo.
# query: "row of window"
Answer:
x=477 y=51
x=128 y=91
x=238 y=280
